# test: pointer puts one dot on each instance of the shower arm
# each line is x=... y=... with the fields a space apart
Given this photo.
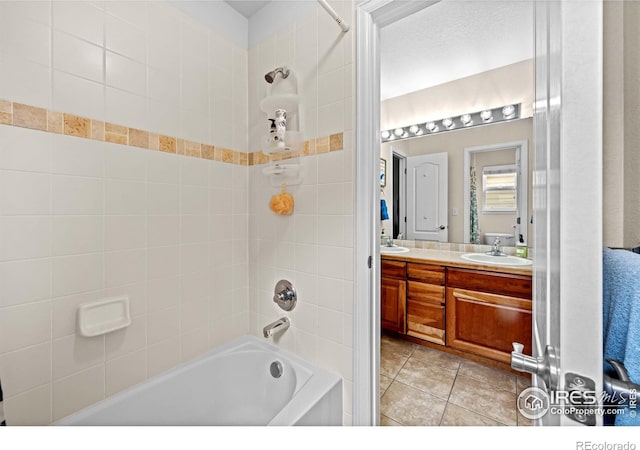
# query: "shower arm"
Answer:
x=334 y=15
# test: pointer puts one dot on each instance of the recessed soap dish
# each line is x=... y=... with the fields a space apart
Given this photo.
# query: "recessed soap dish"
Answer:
x=103 y=316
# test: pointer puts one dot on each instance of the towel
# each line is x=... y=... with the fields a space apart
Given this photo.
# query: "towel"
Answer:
x=2 y=421
x=384 y=214
x=621 y=316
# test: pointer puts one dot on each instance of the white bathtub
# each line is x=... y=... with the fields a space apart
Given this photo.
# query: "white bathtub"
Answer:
x=231 y=385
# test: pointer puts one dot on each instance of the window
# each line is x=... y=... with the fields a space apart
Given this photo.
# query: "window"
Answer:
x=499 y=188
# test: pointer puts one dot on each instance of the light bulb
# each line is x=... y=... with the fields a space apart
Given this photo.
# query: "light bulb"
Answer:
x=432 y=127
x=486 y=115
x=509 y=112
x=448 y=123
x=398 y=132
x=414 y=129
x=466 y=120
x=385 y=134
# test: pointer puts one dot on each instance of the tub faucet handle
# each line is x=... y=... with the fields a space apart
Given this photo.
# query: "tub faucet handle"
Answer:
x=285 y=295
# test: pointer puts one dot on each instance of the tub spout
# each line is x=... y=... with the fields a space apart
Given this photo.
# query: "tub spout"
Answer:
x=278 y=326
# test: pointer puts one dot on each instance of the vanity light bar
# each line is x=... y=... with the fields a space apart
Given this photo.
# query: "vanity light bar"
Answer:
x=484 y=117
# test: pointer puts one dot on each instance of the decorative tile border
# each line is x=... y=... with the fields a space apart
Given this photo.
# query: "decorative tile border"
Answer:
x=32 y=117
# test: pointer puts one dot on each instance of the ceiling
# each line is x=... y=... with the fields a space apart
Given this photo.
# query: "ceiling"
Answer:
x=246 y=7
x=453 y=39
x=449 y=40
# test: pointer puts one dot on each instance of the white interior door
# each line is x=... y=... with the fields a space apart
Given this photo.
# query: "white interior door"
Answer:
x=427 y=200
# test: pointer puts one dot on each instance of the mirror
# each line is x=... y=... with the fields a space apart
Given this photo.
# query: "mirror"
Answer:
x=456 y=77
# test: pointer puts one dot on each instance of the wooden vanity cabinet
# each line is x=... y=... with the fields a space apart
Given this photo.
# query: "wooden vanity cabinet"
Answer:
x=486 y=312
x=426 y=302
x=393 y=296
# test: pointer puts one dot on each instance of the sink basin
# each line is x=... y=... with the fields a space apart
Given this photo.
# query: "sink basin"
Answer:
x=394 y=249
x=497 y=260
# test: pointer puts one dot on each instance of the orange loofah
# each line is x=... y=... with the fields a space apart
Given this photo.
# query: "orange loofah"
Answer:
x=282 y=203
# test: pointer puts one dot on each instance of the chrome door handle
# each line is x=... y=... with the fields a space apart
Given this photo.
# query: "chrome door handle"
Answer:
x=545 y=366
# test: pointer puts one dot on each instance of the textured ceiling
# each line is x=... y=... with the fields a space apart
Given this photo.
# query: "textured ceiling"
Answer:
x=451 y=40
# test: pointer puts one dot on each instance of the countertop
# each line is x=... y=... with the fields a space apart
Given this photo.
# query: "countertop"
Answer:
x=452 y=259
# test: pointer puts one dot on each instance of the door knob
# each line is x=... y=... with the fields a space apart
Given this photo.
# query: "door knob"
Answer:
x=545 y=366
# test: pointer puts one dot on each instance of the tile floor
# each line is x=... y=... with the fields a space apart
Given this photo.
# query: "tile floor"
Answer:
x=423 y=386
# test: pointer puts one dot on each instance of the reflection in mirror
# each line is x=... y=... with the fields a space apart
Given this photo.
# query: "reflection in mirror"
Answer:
x=459 y=77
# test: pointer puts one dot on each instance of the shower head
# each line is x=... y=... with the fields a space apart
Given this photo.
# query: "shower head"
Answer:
x=272 y=75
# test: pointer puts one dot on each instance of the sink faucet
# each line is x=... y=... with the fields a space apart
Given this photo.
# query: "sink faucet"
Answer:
x=278 y=326
x=387 y=240
x=495 y=249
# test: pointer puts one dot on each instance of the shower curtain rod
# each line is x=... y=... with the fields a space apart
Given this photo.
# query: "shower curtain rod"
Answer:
x=334 y=15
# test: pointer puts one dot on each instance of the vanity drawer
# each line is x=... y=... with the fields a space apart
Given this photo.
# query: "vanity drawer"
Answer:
x=394 y=269
x=425 y=320
x=425 y=292
x=426 y=272
x=493 y=283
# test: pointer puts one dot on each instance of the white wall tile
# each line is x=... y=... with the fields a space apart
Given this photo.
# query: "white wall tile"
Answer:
x=331 y=262
x=135 y=13
x=78 y=391
x=331 y=167
x=78 y=57
x=163 y=262
x=26 y=39
x=24 y=237
x=125 y=162
x=126 y=74
x=25 y=369
x=124 y=267
x=125 y=371
x=126 y=108
x=195 y=343
x=307 y=258
x=24 y=193
x=331 y=230
x=22 y=149
x=125 y=232
x=194 y=199
x=331 y=118
x=194 y=257
x=193 y=315
x=163 y=293
x=77 y=274
x=163 y=230
x=194 y=229
x=194 y=171
x=81 y=19
x=32 y=408
x=163 y=198
x=306 y=229
x=75 y=95
x=76 y=156
x=162 y=356
x=162 y=168
x=330 y=293
x=163 y=325
x=125 y=38
x=126 y=340
x=331 y=87
x=330 y=324
x=331 y=198
x=25 y=281
x=27 y=82
x=77 y=195
x=125 y=197
x=24 y=325
x=195 y=286
x=73 y=235
x=74 y=353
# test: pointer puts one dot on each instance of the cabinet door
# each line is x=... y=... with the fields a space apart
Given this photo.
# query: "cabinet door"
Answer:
x=487 y=324
x=393 y=304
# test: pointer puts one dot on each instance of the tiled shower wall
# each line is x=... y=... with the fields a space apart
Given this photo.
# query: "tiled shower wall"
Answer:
x=313 y=248
x=81 y=219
